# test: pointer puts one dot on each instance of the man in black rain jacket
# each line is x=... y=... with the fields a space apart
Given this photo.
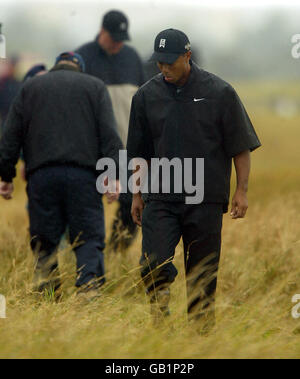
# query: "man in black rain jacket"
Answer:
x=186 y=114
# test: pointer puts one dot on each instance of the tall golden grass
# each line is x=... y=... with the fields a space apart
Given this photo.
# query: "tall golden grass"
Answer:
x=259 y=274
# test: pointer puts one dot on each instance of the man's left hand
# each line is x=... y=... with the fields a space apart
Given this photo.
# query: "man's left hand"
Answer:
x=6 y=190
x=239 y=204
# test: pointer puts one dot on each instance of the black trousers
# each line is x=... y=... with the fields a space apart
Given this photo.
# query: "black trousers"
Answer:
x=163 y=224
x=61 y=197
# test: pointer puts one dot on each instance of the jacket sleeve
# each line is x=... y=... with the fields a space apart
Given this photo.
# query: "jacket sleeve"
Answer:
x=11 y=140
x=109 y=140
x=139 y=142
x=238 y=132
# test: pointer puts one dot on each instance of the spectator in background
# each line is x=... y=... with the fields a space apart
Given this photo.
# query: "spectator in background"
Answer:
x=121 y=69
x=9 y=87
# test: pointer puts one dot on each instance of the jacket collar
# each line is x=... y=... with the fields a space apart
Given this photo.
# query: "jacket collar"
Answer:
x=196 y=85
x=190 y=80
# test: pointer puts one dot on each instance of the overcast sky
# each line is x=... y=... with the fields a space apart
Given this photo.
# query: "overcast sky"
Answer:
x=206 y=3
x=44 y=29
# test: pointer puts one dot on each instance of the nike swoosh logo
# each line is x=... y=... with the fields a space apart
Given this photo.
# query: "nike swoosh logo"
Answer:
x=199 y=99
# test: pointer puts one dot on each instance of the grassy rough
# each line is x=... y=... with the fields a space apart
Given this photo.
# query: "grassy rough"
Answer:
x=259 y=274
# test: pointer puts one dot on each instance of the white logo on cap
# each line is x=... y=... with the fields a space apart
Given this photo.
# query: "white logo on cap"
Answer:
x=123 y=26
x=187 y=46
x=162 y=43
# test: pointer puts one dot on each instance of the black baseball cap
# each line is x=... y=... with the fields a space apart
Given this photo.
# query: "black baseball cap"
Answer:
x=116 y=23
x=169 y=45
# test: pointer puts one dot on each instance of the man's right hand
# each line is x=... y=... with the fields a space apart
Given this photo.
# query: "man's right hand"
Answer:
x=137 y=209
x=6 y=190
x=114 y=190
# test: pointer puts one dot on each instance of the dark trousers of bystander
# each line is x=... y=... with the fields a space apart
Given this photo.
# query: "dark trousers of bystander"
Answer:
x=61 y=197
x=163 y=224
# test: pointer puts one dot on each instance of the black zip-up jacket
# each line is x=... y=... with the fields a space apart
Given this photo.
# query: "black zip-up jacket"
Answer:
x=204 y=119
x=125 y=67
x=61 y=118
